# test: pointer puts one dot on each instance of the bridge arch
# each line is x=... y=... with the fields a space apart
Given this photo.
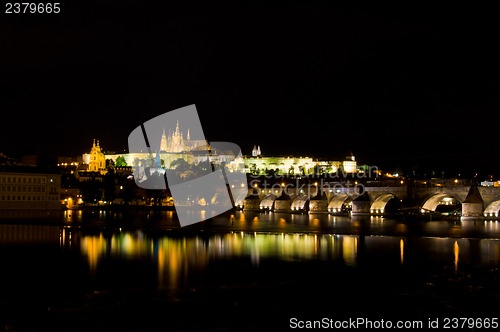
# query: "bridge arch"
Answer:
x=493 y=209
x=267 y=202
x=385 y=203
x=340 y=203
x=441 y=202
x=300 y=203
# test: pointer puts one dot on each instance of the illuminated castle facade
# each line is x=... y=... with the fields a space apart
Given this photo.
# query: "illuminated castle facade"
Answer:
x=176 y=146
x=290 y=165
x=176 y=143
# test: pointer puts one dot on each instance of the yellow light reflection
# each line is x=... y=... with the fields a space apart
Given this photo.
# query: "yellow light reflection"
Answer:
x=349 y=249
x=456 y=251
x=94 y=247
x=177 y=257
x=315 y=222
x=401 y=251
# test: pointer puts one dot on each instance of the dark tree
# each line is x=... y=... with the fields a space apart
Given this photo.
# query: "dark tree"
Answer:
x=91 y=191
x=109 y=186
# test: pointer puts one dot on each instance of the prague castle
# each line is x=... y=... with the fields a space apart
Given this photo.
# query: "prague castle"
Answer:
x=176 y=143
x=173 y=146
x=176 y=146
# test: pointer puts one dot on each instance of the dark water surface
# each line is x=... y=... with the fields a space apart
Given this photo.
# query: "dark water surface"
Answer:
x=137 y=271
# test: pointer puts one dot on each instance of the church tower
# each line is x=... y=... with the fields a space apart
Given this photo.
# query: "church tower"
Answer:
x=163 y=142
x=97 y=162
x=256 y=151
x=177 y=141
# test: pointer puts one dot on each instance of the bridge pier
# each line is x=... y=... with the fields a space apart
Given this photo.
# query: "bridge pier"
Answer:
x=361 y=205
x=251 y=202
x=319 y=203
x=473 y=205
x=283 y=203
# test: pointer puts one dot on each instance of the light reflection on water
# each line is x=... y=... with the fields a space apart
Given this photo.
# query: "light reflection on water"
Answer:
x=176 y=256
x=289 y=222
x=255 y=238
x=281 y=265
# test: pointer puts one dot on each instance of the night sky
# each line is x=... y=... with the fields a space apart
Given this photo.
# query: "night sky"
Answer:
x=400 y=87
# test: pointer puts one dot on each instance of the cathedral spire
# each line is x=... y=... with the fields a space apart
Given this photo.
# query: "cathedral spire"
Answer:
x=163 y=142
x=177 y=130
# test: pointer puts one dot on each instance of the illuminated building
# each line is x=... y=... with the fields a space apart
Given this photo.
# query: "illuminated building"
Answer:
x=28 y=187
x=290 y=165
x=177 y=146
x=176 y=143
x=95 y=161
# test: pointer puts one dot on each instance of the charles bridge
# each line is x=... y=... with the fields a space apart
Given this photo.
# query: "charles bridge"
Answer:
x=463 y=198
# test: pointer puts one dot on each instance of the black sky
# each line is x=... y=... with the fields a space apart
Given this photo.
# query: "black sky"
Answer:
x=403 y=86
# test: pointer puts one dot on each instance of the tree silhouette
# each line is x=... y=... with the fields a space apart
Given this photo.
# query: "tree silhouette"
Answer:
x=91 y=190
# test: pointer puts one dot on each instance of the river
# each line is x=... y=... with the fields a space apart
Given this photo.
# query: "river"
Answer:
x=138 y=271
